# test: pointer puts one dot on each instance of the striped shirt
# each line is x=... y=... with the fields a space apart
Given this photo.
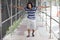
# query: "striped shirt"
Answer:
x=31 y=12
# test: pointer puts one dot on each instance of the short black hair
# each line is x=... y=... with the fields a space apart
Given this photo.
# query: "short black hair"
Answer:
x=28 y=4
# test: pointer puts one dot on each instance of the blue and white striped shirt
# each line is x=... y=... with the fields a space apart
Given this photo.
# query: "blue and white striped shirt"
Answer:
x=31 y=12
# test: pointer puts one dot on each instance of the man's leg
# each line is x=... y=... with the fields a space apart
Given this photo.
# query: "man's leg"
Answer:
x=28 y=27
x=33 y=27
x=28 y=33
x=33 y=32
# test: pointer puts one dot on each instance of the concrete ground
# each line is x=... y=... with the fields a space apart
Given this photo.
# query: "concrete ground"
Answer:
x=21 y=32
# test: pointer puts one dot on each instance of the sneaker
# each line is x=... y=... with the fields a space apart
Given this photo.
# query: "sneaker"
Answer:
x=28 y=36
x=32 y=35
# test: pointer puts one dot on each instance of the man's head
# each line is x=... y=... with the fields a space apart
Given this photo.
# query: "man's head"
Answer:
x=29 y=5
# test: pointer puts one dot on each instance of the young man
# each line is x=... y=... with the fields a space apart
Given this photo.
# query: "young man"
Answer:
x=31 y=17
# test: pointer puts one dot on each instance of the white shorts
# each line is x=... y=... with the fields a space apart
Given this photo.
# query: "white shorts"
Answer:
x=31 y=24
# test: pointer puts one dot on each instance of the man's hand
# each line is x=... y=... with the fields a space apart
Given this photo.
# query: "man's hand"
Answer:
x=58 y=13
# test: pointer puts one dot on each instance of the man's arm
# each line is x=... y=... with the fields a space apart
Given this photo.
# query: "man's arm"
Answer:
x=19 y=7
x=43 y=6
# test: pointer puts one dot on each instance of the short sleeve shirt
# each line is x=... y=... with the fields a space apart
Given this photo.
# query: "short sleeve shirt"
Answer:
x=31 y=12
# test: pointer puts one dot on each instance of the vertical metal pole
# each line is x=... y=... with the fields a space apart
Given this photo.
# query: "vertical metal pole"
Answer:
x=16 y=9
x=59 y=28
x=0 y=22
x=8 y=8
x=42 y=15
x=50 y=17
x=36 y=2
x=46 y=16
x=11 y=12
x=11 y=18
x=19 y=5
x=39 y=4
x=55 y=2
x=59 y=21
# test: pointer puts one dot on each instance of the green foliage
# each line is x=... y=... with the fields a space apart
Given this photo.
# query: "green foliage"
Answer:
x=14 y=26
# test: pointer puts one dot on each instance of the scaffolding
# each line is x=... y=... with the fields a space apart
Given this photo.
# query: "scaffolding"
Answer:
x=13 y=14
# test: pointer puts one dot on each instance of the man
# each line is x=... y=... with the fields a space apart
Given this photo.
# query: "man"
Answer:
x=31 y=17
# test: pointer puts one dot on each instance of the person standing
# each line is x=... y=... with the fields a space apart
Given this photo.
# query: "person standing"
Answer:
x=31 y=23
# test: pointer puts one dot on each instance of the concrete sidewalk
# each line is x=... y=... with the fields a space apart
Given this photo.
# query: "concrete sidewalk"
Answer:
x=21 y=32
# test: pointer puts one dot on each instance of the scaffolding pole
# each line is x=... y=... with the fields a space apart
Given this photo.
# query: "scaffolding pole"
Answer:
x=16 y=9
x=59 y=29
x=11 y=12
x=0 y=22
x=46 y=15
x=50 y=18
x=59 y=21
x=8 y=8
